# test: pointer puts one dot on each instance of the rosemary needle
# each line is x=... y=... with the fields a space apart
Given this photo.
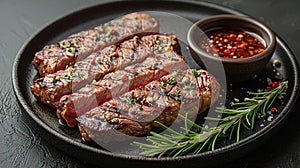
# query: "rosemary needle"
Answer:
x=243 y=114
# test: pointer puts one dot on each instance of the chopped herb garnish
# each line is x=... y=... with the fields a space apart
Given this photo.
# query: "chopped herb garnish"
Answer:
x=171 y=81
x=163 y=86
x=170 y=58
x=141 y=108
x=63 y=45
x=181 y=83
x=54 y=59
x=107 y=34
x=102 y=61
x=99 y=61
x=150 y=67
x=71 y=75
x=178 y=98
x=157 y=42
x=130 y=101
x=71 y=64
x=133 y=101
x=54 y=80
x=157 y=63
x=68 y=80
x=189 y=87
x=130 y=74
x=119 y=76
x=69 y=44
x=158 y=47
x=71 y=50
x=79 y=75
x=101 y=30
x=169 y=44
x=179 y=92
x=196 y=73
x=179 y=71
x=77 y=43
x=175 y=73
x=132 y=56
x=98 y=38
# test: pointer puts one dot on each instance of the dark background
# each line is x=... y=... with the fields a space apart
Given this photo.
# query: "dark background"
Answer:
x=21 y=146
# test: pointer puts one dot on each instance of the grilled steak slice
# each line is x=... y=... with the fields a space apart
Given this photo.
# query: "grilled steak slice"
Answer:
x=57 y=56
x=134 y=113
x=52 y=87
x=116 y=83
x=126 y=117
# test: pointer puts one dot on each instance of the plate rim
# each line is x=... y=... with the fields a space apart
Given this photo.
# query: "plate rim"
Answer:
x=24 y=104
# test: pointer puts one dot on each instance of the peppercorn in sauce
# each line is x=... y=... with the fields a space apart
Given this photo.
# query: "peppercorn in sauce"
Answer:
x=229 y=43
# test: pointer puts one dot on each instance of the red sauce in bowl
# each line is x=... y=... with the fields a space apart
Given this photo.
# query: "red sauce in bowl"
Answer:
x=233 y=43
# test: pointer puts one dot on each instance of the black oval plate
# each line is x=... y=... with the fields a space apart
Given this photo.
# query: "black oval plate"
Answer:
x=69 y=140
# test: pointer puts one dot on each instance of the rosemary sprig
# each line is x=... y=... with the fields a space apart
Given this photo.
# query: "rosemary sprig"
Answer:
x=243 y=114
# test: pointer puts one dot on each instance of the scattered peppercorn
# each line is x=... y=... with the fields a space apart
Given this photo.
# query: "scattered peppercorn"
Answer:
x=276 y=63
x=113 y=103
x=275 y=84
x=273 y=109
x=112 y=31
x=115 y=54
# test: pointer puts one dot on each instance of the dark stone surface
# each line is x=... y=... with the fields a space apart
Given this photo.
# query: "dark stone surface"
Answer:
x=21 y=146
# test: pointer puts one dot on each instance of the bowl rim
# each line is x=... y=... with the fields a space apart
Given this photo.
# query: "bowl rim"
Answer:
x=267 y=52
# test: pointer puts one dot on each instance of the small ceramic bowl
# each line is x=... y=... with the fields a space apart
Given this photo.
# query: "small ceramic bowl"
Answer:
x=238 y=69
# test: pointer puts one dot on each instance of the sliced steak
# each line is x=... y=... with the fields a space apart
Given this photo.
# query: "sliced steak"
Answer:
x=134 y=113
x=52 y=87
x=57 y=56
x=116 y=83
